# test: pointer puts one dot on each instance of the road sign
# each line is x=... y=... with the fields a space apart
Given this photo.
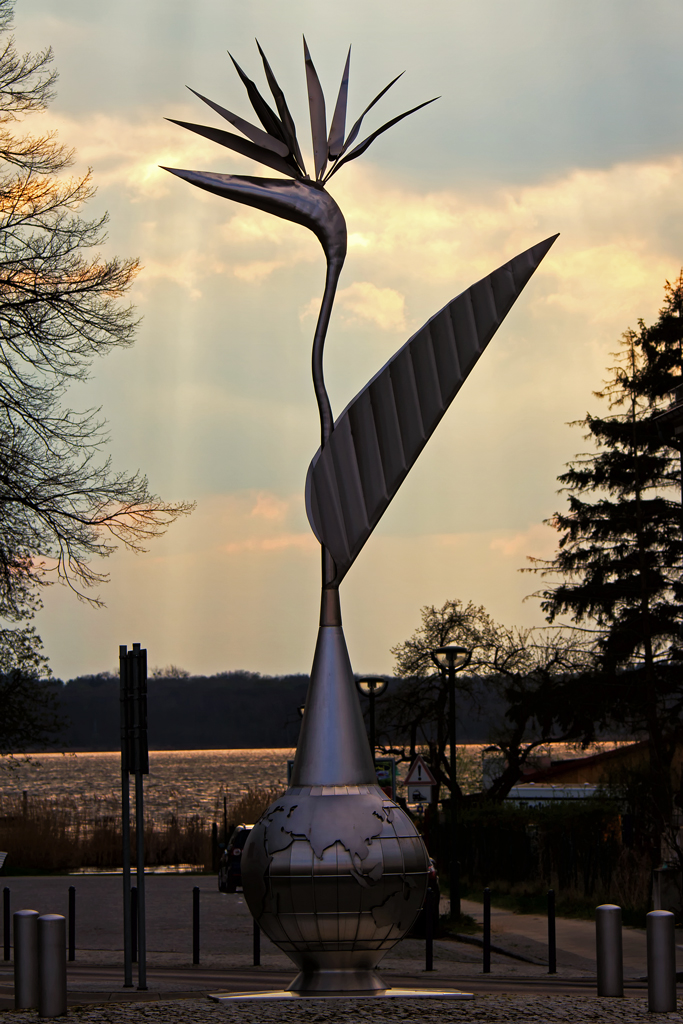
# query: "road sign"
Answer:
x=386 y=775
x=419 y=795
x=419 y=773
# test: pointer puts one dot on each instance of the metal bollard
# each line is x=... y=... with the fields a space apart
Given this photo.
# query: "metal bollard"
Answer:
x=26 y=959
x=72 y=922
x=552 y=944
x=257 y=945
x=608 y=948
x=429 y=930
x=487 y=931
x=195 y=924
x=6 y=919
x=134 y=923
x=51 y=965
x=661 y=962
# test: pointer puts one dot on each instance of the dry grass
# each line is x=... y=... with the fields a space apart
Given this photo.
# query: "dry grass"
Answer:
x=249 y=808
x=65 y=834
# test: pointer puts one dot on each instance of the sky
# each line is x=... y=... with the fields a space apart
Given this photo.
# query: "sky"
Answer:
x=552 y=117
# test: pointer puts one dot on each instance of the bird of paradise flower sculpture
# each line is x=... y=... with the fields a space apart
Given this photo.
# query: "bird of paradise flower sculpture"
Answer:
x=335 y=872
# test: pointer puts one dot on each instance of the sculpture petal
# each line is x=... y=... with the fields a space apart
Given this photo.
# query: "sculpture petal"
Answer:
x=299 y=201
x=335 y=142
x=260 y=138
x=240 y=145
x=283 y=110
x=361 y=148
x=316 y=103
x=380 y=434
x=353 y=134
x=264 y=112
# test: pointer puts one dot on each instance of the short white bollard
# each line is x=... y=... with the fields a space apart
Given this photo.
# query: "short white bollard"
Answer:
x=608 y=948
x=26 y=959
x=661 y=962
x=52 y=965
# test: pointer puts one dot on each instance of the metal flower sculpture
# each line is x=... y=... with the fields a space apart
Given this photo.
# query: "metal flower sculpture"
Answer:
x=335 y=872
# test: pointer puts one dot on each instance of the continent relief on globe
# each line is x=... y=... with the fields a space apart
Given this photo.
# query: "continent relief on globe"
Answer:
x=339 y=871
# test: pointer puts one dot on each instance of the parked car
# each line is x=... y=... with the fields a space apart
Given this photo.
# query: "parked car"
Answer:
x=230 y=865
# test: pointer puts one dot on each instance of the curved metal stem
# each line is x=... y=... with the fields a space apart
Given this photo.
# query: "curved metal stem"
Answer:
x=330 y=614
x=334 y=267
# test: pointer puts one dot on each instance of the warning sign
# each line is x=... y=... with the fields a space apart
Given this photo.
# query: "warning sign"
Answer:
x=419 y=773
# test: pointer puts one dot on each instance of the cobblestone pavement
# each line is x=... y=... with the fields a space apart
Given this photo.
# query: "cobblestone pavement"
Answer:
x=178 y=990
x=491 y=1009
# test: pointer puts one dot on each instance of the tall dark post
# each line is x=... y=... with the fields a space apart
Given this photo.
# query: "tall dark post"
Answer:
x=125 y=811
x=256 y=944
x=134 y=923
x=552 y=946
x=6 y=921
x=214 y=846
x=450 y=660
x=134 y=758
x=372 y=687
x=141 y=766
x=371 y=698
x=454 y=874
x=195 y=924
x=430 y=914
x=487 y=931
x=72 y=922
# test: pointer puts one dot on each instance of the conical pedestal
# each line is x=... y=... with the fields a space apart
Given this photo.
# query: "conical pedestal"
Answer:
x=335 y=872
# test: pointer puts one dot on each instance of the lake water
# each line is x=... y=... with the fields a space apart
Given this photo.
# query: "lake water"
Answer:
x=182 y=782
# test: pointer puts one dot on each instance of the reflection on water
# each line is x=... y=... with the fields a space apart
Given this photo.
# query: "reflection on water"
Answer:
x=180 y=782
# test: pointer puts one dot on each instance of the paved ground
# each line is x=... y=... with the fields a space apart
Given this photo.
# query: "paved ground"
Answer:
x=487 y=1009
x=226 y=963
x=528 y=934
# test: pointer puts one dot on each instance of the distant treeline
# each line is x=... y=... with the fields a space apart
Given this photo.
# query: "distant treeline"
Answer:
x=232 y=709
x=228 y=710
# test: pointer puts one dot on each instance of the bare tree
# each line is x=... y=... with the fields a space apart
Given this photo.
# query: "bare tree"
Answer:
x=519 y=675
x=61 y=503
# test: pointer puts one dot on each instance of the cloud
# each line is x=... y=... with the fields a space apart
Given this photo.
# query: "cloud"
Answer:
x=256 y=271
x=300 y=541
x=538 y=541
x=619 y=224
x=384 y=307
x=269 y=506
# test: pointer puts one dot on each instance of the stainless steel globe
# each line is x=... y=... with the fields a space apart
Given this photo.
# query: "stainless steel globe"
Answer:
x=335 y=876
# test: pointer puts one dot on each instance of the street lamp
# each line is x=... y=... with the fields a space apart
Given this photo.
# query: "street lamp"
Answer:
x=450 y=660
x=372 y=687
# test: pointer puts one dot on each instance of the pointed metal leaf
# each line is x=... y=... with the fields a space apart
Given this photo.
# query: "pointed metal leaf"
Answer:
x=361 y=148
x=298 y=201
x=316 y=103
x=264 y=112
x=353 y=134
x=240 y=145
x=261 y=138
x=335 y=143
x=283 y=110
x=380 y=434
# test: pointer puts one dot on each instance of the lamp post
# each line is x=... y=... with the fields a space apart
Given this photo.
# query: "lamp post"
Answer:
x=450 y=660
x=372 y=687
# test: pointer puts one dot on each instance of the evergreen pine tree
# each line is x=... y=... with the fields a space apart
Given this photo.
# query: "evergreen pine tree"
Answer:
x=620 y=551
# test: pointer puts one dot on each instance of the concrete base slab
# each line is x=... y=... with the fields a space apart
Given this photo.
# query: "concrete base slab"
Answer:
x=389 y=993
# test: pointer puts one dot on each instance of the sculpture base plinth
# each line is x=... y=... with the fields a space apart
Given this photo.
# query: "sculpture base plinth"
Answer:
x=387 y=993
x=332 y=982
